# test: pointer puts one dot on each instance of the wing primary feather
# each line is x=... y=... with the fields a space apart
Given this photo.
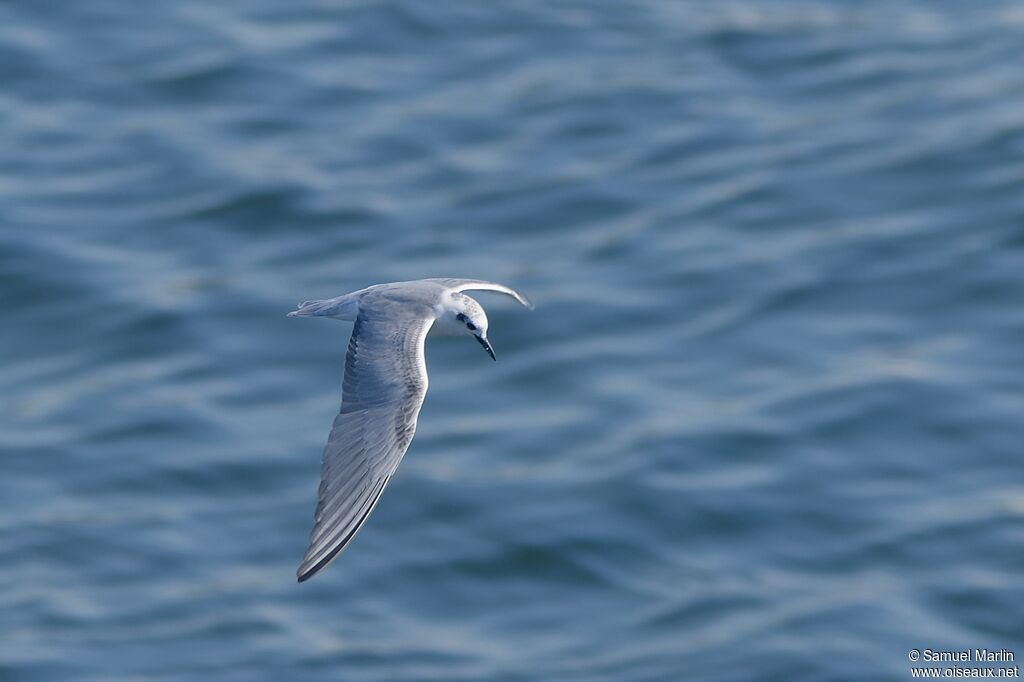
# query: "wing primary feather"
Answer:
x=457 y=284
x=305 y=573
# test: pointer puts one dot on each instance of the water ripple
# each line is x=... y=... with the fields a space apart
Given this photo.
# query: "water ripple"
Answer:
x=762 y=425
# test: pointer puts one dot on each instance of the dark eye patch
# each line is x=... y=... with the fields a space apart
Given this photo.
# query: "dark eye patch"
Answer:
x=461 y=317
x=471 y=326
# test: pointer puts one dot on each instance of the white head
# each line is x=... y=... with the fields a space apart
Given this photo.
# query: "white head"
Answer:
x=462 y=316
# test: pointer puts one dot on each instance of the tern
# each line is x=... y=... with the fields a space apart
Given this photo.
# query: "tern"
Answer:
x=382 y=392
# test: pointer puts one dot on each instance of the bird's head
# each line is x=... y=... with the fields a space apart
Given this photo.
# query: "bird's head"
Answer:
x=467 y=317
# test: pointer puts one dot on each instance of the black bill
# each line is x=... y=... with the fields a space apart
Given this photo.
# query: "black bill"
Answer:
x=487 y=347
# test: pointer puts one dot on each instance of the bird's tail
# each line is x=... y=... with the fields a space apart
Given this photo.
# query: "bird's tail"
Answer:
x=342 y=308
x=307 y=308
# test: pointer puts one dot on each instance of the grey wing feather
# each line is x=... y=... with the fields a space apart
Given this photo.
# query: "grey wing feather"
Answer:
x=385 y=382
x=457 y=284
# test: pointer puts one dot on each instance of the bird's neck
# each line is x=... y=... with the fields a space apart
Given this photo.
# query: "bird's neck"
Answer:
x=445 y=324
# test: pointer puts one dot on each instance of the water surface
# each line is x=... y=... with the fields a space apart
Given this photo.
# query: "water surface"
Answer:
x=763 y=425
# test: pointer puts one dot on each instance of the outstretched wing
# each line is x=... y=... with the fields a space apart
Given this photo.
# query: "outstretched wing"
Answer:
x=385 y=382
x=481 y=285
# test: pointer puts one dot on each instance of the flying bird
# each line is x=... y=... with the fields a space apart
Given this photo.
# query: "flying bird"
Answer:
x=383 y=389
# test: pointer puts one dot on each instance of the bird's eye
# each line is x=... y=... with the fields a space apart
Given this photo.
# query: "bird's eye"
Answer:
x=461 y=317
x=471 y=326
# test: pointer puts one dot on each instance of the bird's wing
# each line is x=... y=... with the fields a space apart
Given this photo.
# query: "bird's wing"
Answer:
x=385 y=382
x=480 y=285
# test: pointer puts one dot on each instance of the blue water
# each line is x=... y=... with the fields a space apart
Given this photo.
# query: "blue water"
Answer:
x=765 y=423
